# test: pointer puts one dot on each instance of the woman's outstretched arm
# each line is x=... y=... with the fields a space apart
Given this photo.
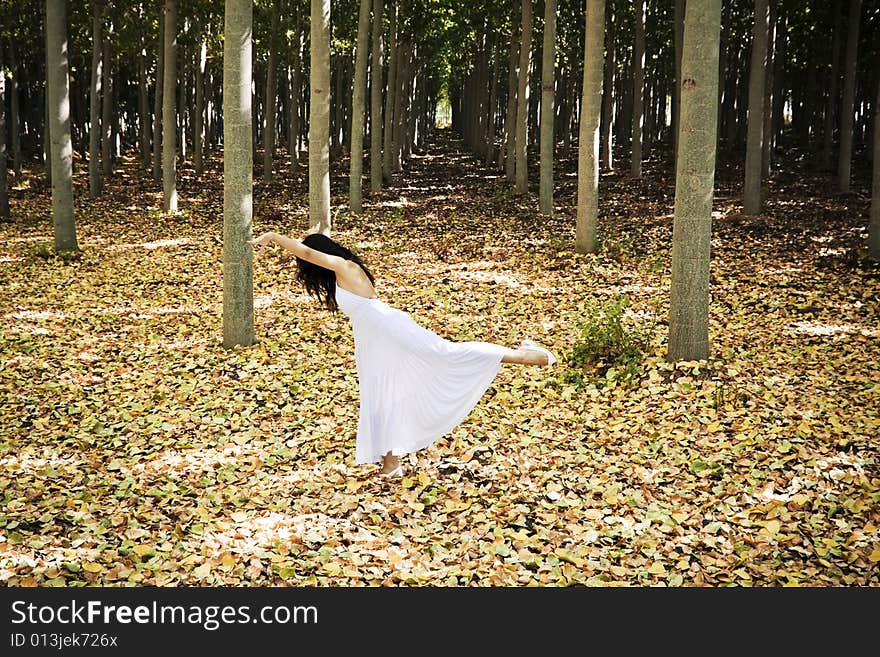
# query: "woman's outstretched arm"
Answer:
x=300 y=250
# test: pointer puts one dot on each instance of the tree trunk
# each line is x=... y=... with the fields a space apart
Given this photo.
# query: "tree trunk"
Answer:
x=388 y=133
x=506 y=159
x=678 y=33
x=95 y=104
x=772 y=61
x=4 y=189
x=588 y=139
x=833 y=77
x=752 y=191
x=638 y=91
x=198 y=119
x=358 y=110
x=158 y=100
x=238 y=184
x=548 y=61
x=874 y=226
x=319 y=118
x=844 y=161
x=296 y=94
x=376 y=80
x=15 y=121
x=107 y=106
x=522 y=103
x=61 y=150
x=169 y=120
x=143 y=98
x=694 y=184
x=608 y=96
x=490 y=114
x=271 y=101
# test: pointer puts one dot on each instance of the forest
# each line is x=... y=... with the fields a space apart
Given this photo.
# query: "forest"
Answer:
x=678 y=198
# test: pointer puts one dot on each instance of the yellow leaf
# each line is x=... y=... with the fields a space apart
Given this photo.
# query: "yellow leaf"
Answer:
x=772 y=527
x=92 y=567
x=203 y=571
x=657 y=568
x=228 y=560
x=875 y=555
x=141 y=550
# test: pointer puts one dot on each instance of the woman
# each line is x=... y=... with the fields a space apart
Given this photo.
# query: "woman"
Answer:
x=414 y=385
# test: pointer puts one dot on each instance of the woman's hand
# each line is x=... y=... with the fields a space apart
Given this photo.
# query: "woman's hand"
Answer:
x=262 y=240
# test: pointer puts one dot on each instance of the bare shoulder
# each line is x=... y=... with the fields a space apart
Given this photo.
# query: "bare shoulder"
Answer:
x=352 y=278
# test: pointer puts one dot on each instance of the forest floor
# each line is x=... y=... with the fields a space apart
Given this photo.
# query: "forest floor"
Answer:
x=136 y=450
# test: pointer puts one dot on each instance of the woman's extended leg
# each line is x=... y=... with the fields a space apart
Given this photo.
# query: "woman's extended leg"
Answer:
x=528 y=354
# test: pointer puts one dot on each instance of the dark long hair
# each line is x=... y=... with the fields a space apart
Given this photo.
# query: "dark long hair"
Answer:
x=319 y=281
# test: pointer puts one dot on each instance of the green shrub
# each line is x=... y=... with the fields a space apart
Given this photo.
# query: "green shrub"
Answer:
x=606 y=350
x=47 y=251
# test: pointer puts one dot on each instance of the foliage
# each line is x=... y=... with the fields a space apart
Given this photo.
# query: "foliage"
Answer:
x=606 y=350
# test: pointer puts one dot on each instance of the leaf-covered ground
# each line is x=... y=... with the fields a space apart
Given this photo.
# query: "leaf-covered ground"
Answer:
x=135 y=450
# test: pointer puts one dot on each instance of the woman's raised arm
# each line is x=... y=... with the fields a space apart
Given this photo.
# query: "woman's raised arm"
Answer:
x=300 y=250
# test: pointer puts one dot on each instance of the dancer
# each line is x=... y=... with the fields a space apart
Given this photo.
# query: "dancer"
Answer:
x=414 y=385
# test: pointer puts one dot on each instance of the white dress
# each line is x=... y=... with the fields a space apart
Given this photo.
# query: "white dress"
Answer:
x=415 y=386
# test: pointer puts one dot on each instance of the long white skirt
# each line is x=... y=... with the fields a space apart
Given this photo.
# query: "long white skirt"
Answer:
x=415 y=386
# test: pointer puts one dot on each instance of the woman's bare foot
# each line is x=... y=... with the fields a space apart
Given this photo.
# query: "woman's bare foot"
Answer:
x=390 y=465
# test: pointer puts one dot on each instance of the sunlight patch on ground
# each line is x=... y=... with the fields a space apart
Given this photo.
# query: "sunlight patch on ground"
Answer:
x=150 y=245
x=827 y=329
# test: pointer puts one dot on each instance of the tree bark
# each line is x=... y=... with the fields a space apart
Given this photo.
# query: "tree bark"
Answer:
x=388 y=130
x=548 y=97
x=522 y=104
x=296 y=94
x=874 y=226
x=833 y=77
x=4 y=189
x=238 y=291
x=358 y=110
x=169 y=120
x=638 y=97
x=319 y=118
x=844 y=160
x=271 y=102
x=61 y=150
x=143 y=96
x=107 y=105
x=752 y=191
x=158 y=100
x=376 y=82
x=95 y=103
x=198 y=118
x=608 y=96
x=694 y=184
x=588 y=139
x=506 y=158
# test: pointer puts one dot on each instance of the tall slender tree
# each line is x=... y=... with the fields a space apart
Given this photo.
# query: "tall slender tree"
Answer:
x=169 y=113
x=238 y=184
x=376 y=80
x=752 y=187
x=847 y=110
x=270 y=105
x=61 y=151
x=199 y=114
x=158 y=100
x=638 y=73
x=548 y=113
x=390 y=97
x=694 y=183
x=358 y=110
x=95 y=102
x=522 y=101
x=588 y=140
x=319 y=118
x=507 y=156
x=874 y=225
x=4 y=190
